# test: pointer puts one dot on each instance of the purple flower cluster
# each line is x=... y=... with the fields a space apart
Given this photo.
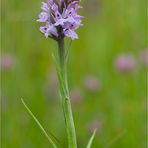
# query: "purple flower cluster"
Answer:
x=125 y=63
x=60 y=18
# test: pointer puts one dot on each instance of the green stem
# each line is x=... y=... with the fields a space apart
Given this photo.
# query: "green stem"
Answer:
x=70 y=127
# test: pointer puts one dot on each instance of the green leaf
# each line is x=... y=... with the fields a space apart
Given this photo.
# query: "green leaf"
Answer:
x=67 y=51
x=54 y=142
x=91 y=139
x=62 y=88
x=115 y=139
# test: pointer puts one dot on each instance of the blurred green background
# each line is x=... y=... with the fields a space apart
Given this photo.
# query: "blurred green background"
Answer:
x=107 y=76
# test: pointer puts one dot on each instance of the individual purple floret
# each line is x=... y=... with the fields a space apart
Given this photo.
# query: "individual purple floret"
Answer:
x=60 y=18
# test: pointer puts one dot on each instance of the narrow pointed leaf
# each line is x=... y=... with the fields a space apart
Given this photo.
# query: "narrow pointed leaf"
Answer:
x=91 y=139
x=58 y=74
x=68 y=50
x=54 y=142
x=115 y=139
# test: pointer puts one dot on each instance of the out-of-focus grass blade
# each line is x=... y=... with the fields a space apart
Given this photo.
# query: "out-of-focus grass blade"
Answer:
x=50 y=137
x=115 y=139
x=91 y=139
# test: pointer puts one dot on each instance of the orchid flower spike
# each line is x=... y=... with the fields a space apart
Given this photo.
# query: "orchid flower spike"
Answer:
x=60 y=18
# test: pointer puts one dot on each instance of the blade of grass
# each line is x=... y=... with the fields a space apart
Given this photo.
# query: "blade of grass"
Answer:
x=68 y=50
x=115 y=139
x=54 y=142
x=58 y=73
x=91 y=139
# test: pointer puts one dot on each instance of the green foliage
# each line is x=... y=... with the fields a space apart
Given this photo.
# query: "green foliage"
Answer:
x=91 y=140
x=54 y=142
